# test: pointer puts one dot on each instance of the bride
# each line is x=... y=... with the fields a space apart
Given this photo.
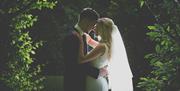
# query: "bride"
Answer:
x=109 y=51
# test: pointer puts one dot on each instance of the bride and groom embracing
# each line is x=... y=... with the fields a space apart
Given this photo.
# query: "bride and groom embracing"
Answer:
x=105 y=67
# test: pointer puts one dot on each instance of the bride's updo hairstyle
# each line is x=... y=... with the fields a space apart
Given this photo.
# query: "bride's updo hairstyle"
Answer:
x=104 y=29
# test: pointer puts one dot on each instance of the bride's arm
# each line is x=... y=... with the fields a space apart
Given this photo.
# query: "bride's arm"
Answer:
x=96 y=52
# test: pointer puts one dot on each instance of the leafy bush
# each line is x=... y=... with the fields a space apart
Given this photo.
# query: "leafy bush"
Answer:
x=21 y=74
x=165 y=59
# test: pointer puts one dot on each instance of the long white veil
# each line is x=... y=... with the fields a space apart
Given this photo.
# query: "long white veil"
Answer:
x=120 y=75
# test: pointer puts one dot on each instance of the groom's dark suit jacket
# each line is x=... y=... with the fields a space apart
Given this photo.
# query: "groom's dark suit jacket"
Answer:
x=75 y=74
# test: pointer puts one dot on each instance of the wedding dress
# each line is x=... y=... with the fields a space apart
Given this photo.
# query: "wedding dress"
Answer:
x=101 y=83
x=120 y=75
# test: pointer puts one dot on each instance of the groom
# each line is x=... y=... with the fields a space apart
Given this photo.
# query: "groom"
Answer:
x=75 y=74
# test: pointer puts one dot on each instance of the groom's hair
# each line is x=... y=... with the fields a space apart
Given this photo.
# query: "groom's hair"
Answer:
x=89 y=14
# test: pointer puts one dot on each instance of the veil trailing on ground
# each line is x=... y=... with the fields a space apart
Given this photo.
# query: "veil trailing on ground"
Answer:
x=120 y=75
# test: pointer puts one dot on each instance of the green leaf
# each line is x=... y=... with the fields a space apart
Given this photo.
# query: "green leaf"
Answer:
x=142 y=3
x=13 y=42
x=148 y=55
x=17 y=77
x=164 y=78
x=168 y=29
x=152 y=27
x=33 y=52
x=153 y=34
x=143 y=78
x=158 y=49
x=158 y=63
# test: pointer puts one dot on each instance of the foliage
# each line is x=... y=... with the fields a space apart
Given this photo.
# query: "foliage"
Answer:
x=21 y=74
x=165 y=59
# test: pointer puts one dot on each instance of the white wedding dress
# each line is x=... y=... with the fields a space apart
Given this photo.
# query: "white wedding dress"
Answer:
x=120 y=75
x=101 y=83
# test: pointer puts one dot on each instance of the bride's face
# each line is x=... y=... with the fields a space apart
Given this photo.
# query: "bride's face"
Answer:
x=97 y=29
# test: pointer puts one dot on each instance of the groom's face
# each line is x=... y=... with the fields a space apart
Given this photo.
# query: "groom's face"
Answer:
x=91 y=25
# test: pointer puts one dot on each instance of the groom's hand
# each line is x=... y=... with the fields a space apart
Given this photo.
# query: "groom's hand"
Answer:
x=103 y=72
